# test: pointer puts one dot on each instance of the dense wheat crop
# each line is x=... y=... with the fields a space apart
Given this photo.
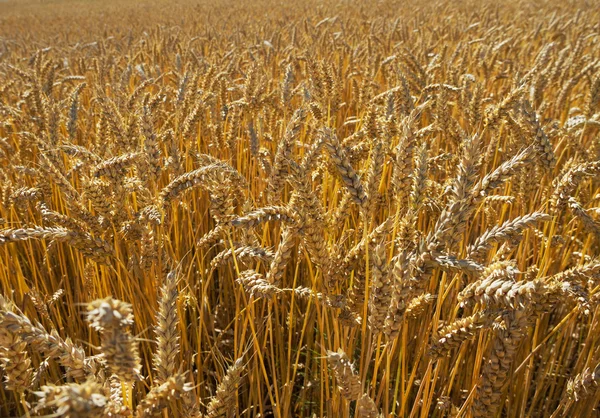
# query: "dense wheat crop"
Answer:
x=261 y=209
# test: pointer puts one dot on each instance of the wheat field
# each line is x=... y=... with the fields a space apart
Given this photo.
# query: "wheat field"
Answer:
x=307 y=209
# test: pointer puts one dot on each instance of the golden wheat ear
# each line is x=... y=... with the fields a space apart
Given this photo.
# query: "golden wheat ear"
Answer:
x=114 y=320
x=348 y=382
x=224 y=402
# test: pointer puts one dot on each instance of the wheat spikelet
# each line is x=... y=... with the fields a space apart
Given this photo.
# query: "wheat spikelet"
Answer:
x=211 y=237
x=403 y=289
x=115 y=168
x=242 y=254
x=589 y=223
x=374 y=174
x=452 y=264
x=500 y=288
x=159 y=396
x=223 y=403
x=347 y=380
x=73 y=400
x=24 y=194
x=310 y=213
x=508 y=230
x=281 y=257
x=454 y=334
x=542 y=145
x=57 y=176
x=499 y=278
x=152 y=163
x=381 y=288
x=256 y=285
x=579 y=274
x=497 y=366
x=96 y=191
x=418 y=305
x=166 y=329
x=366 y=408
x=493 y=117
x=113 y=319
x=61 y=220
x=284 y=150
x=502 y=173
x=51 y=344
x=95 y=248
x=583 y=385
x=14 y=361
x=450 y=226
x=266 y=214
x=349 y=176
x=354 y=255
x=569 y=182
x=403 y=163
x=417 y=192
x=193 y=179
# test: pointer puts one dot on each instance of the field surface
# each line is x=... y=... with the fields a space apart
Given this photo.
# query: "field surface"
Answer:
x=300 y=209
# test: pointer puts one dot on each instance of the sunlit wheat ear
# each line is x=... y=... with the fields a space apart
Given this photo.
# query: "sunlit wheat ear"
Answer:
x=173 y=388
x=95 y=248
x=311 y=214
x=586 y=219
x=193 y=179
x=366 y=408
x=583 y=385
x=349 y=176
x=508 y=230
x=419 y=305
x=452 y=222
x=224 y=402
x=85 y=400
x=243 y=254
x=15 y=362
x=69 y=355
x=284 y=151
x=282 y=256
x=506 y=341
x=403 y=166
x=374 y=174
x=500 y=111
x=454 y=334
x=211 y=237
x=347 y=379
x=266 y=214
x=542 y=145
x=114 y=168
x=381 y=289
x=256 y=285
x=403 y=289
x=167 y=329
x=417 y=192
x=566 y=185
x=353 y=256
x=114 y=319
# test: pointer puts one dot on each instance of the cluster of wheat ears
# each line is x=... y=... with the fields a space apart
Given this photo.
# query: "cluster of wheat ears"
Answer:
x=261 y=209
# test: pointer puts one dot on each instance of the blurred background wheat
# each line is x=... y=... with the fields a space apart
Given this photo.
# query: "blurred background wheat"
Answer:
x=340 y=209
